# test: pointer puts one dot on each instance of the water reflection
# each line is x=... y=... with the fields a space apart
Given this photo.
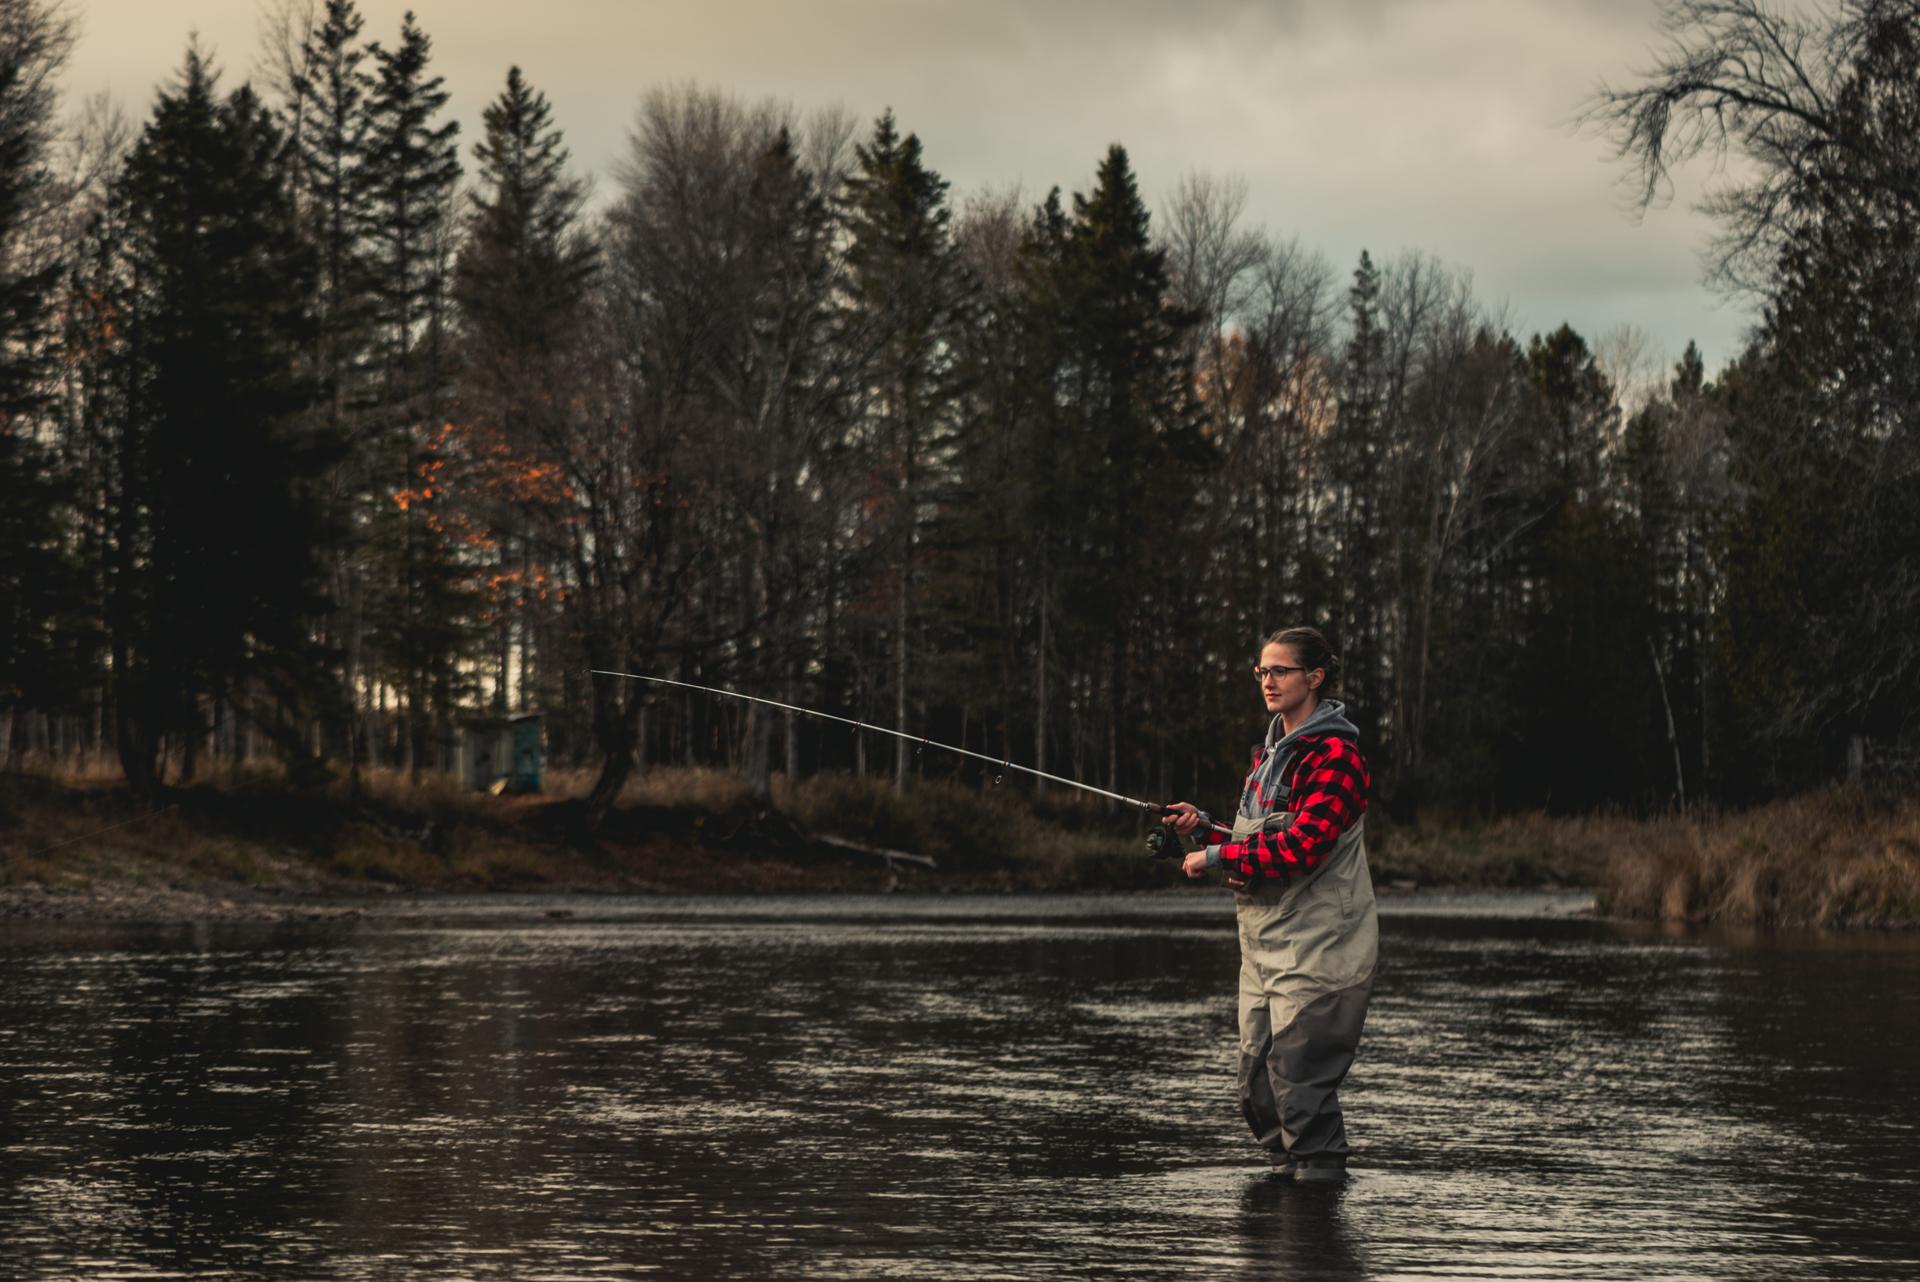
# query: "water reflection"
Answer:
x=1288 y=1230
x=968 y=1088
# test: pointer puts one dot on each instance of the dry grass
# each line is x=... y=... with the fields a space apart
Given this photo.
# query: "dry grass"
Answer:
x=74 y=829
x=1530 y=850
x=1837 y=857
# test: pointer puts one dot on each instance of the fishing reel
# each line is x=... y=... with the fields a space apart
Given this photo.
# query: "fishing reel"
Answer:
x=1164 y=843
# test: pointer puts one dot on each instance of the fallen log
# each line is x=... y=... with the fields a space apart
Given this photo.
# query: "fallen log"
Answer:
x=925 y=861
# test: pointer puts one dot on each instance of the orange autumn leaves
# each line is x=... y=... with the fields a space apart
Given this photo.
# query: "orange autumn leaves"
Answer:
x=467 y=485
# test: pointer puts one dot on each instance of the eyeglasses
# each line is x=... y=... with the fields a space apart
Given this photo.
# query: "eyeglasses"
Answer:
x=1277 y=671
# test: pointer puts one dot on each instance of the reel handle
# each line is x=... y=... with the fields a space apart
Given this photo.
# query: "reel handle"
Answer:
x=1164 y=843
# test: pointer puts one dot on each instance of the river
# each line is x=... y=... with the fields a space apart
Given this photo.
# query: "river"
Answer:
x=964 y=1087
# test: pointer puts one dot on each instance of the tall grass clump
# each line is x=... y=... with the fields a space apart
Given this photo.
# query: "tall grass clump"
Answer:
x=1842 y=856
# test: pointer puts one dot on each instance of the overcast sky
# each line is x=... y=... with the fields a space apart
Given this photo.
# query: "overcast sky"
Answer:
x=1439 y=126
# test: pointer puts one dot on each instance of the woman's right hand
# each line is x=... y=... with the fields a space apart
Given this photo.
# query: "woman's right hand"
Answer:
x=1183 y=817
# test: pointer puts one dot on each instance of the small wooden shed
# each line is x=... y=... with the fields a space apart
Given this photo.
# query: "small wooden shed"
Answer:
x=501 y=754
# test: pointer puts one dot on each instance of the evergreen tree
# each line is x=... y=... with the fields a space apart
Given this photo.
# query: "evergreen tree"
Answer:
x=39 y=585
x=1671 y=478
x=411 y=168
x=329 y=172
x=1355 y=475
x=526 y=262
x=420 y=606
x=1048 y=489
x=521 y=281
x=1137 y=438
x=1823 y=552
x=903 y=289
x=333 y=194
x=1579 y=607
x=213 y=583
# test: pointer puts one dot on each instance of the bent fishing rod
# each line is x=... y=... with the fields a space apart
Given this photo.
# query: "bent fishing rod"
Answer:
x=1005 y=764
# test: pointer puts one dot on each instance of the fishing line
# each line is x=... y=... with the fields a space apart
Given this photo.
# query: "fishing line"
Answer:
x=1004 y=764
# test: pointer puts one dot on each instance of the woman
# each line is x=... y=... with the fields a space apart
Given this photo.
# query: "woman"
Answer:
x=1297 y=862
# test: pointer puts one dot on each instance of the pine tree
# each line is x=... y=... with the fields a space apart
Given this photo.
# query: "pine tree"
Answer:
x=327 y=127
x=521 y=281
x=333 y=194
x=1047 y=486
x=526 y=261
x=1579 y=606
x=421 y=597
x=411 y=169
x=1822 y=606
x=39 y=585
x=1349 y=594
x=903 y=290
x=1137 y=439
x=213 y=585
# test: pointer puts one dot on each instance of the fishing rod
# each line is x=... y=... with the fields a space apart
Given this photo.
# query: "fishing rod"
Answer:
x=1005 y=764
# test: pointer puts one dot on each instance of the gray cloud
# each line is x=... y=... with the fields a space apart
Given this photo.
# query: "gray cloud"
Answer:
x=1432 y=125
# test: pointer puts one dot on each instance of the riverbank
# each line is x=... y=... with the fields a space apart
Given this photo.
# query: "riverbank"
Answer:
x=1842 y=856
x=245 y=846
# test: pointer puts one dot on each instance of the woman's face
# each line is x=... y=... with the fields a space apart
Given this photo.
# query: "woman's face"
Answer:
x=1285 y=687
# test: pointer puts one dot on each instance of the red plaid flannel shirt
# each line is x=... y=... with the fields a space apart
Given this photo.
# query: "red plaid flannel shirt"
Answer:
x=1327 y=793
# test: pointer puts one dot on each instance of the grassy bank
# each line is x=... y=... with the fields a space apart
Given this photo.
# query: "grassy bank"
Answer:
x=75 y=838
x=1837 y=857
x=66 y=838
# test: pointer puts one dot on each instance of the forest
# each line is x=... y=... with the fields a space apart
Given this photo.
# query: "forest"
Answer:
x=324 y=426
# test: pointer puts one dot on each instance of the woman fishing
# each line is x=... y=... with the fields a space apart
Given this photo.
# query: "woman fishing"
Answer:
x=1297 y=862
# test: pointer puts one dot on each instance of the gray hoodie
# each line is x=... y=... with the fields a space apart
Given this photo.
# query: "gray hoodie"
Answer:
x=1263 y=798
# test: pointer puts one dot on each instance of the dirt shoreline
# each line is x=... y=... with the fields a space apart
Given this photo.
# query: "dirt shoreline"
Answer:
x=132 y=904
x=254 y=850
x=161 y=905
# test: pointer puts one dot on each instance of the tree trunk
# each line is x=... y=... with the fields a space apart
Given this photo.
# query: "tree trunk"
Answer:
x=759 y=736
x=759 y=729
x=1040 y=684
x=190 y=750
x=640 y=742
x=1673 y=734
x=614 y=769
x=1118 y=699
x=790 y=726
x=900 y=684
x=139 y=754
x=614 y=722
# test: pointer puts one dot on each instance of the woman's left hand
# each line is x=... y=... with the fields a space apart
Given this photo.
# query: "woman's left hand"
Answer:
x=1195 y=864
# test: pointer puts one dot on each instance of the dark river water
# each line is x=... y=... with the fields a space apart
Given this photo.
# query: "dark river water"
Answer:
x=950 y=1087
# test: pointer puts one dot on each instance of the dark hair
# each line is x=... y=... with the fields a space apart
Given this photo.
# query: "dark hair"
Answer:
x=1313 y=652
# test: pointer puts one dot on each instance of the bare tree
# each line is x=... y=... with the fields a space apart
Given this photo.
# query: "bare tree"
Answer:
x=284 y=59
x=36 y=38
x=719 y=272
x=1468 y=407
x=1634 y=364
x=1752 y=81
x=1212 y=259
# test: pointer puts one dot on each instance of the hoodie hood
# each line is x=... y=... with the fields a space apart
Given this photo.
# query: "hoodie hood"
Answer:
x=1327 y=720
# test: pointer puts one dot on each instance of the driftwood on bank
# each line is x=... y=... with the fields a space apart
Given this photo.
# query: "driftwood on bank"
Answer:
x=891 y=856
